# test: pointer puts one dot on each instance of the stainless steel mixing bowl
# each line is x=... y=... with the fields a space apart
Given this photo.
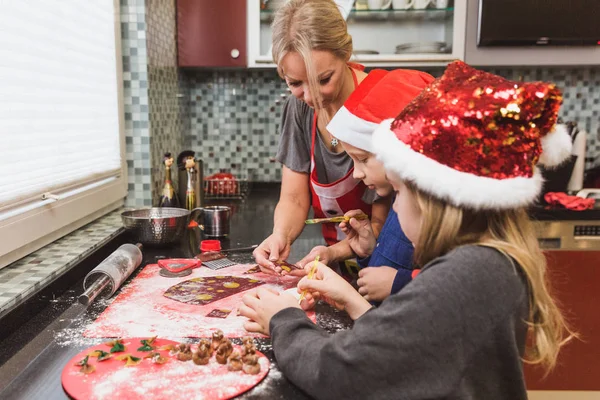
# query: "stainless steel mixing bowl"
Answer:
x=157 y=225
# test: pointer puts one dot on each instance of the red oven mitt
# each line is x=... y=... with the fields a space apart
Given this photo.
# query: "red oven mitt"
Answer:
x=570 y=202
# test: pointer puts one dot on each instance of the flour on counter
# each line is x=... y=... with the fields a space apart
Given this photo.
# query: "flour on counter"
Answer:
x=142 y=310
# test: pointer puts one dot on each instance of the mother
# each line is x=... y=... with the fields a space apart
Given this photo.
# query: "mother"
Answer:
x=312 y=49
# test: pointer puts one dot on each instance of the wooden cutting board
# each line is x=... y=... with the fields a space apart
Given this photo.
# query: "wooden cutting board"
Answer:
x=172 y=380
x=141 y=309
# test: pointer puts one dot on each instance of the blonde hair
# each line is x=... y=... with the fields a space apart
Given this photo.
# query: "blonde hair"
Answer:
x=302 y=26
x=511 y=232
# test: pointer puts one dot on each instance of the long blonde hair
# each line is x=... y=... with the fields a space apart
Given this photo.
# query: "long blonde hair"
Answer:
x=511 y=232
x=302 y=26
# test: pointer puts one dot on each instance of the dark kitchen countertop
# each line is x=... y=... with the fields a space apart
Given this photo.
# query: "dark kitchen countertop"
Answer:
x=42 y=334
x=562 y=214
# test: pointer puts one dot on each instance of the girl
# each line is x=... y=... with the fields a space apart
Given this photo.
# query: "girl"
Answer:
x=462 y=159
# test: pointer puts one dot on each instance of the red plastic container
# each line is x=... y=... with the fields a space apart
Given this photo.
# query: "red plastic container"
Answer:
x=210 y=245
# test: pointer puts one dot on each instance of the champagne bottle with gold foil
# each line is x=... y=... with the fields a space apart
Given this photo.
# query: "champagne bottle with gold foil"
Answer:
x=169 y=196
x=190 y=193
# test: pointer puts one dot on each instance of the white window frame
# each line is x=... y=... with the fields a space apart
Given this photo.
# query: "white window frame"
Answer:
x=49 y=219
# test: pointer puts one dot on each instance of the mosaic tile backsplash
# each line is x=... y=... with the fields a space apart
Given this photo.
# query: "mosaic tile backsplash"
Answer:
x=235 y=115
x=231 y=118
x=167 y=105
x=135 y=91
x=155 y=115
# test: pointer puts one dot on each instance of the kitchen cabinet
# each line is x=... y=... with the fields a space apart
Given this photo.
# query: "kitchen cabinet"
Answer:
x=211 y=33
x=428 y=37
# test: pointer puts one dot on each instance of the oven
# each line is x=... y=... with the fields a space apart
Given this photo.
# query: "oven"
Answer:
x=572 y=249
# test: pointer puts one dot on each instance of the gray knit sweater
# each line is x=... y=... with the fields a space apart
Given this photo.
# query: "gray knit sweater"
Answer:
x=456 y=331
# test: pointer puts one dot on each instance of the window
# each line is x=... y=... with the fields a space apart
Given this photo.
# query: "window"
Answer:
x=61 y=140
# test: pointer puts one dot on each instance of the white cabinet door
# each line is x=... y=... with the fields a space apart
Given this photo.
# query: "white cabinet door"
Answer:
x=382 y=38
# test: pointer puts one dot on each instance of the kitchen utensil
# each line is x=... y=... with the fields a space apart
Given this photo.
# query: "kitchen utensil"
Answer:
x=223 y=262
x=311 y=275
x=225 y=185
x=402 y=4
x=218 y=259
x=156 y=225
x=215 y=260
x=421 y=4
x=149 y=380
x=210 y=256
x=379 y=4
x=178 y=264
x=340 y=218
x=168 y=274
x=107 y=277
x=423 y=47
x=222 y=185
x=214 y=220
x=177 y=267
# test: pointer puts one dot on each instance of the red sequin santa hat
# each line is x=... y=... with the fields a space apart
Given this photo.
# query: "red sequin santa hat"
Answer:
x=381 y=95
x=474 y=139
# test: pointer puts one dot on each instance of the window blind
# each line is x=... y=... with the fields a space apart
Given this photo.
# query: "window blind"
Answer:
x=59 y=115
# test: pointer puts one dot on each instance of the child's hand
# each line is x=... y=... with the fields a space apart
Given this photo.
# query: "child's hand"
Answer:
x=359 y=234
x=324 y=256
x=260 y=305
x=375 y=283
x=327 y=285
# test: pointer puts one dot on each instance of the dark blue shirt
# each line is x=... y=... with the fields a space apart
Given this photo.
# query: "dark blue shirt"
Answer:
x=393 y=249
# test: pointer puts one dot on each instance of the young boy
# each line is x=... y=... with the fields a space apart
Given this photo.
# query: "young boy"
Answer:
x=386 y=263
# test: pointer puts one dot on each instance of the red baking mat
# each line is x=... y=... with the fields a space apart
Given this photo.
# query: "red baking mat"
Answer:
x=142 y=310
x=172 y=380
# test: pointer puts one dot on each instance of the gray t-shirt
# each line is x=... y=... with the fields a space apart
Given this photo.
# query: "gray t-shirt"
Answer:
x=295 y=147
x=456 y=331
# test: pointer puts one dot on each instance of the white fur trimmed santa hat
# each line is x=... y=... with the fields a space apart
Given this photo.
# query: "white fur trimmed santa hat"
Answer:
x=474 y=139
x=381 y=95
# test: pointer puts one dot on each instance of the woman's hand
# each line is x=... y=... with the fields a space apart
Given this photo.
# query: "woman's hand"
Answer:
x=275 y=247
x=332 y=288
x=260 y=305
x=359 y=234
x=324 y=254
x=375 y=283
